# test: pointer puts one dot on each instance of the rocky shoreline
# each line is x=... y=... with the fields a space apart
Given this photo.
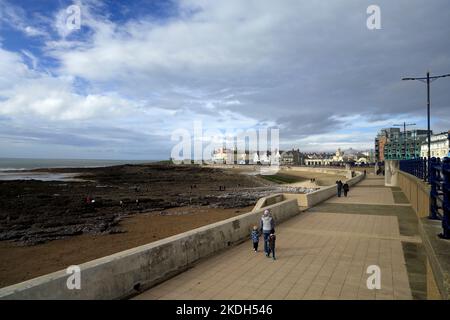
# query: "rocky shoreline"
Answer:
x=34 y=212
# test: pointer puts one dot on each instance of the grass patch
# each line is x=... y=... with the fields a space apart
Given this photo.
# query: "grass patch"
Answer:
x=281 y=178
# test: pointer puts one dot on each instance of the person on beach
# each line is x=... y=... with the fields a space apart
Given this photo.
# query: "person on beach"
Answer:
x=255 y=238
x=267 y=226
x=346 y=189
x=272 y=239
x=339 y=188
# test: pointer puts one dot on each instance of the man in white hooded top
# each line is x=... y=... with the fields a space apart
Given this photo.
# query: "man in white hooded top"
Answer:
x=267 y=226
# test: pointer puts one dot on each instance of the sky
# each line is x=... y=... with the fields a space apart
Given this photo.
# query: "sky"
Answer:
x=134 y=72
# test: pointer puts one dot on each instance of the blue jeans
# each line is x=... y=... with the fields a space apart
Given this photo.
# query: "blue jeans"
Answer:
x=266 y=242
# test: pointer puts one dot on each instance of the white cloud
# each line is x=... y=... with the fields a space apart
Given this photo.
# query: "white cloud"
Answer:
x=33 y=32
x=25 y=91
x=17 y=18
x=31 y=57
x=48 y=98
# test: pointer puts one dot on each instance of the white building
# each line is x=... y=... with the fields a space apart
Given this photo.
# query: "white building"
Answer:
x=275 y=158
x=440 y=146
x=362 y=160
x=243 y=157
x=263 y=158
x=340 y=157
x=255 y=158
x=222 y=155
x=318 y=161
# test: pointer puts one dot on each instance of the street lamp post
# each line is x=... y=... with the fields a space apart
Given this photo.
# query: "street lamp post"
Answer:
x=428 y=80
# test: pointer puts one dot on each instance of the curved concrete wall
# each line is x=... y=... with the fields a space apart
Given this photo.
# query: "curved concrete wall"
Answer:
x=267 y=201
x=128 y=272
x=324 y=193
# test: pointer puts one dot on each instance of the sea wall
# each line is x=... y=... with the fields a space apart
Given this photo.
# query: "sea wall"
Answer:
x=129 y=272
x=311 y=199
x=417 y=192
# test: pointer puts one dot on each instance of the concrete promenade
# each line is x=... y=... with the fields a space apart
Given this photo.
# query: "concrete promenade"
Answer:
x=323 y=253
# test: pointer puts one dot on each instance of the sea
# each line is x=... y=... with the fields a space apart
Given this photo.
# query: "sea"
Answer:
x=17 y=168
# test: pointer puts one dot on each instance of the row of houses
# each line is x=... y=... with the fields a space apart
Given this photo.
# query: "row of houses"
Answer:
x=229 y=156
x=292 y=157
x=340 y=157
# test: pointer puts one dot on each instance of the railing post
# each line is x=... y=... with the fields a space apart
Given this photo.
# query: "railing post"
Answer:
x=432 y=179
x=423 y=168
x=446 y=199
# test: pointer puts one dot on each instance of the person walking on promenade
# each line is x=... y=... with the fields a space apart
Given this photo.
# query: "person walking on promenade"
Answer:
x=346 y=189
x=339 y=188
x=267 y=226
x=272 y=239
x=255 y=238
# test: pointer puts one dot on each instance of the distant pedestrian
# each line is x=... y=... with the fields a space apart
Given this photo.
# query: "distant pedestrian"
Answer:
x=346 y=189
x=267 y=226
x=255 y=238
x=339 y=188
x=272 y=239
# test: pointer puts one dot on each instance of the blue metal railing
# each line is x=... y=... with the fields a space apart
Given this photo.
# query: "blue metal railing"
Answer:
x=416 y=167
x=440 y=193
x=437 y=173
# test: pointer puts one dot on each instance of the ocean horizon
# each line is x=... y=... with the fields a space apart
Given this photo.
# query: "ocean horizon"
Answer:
x=7 y=164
